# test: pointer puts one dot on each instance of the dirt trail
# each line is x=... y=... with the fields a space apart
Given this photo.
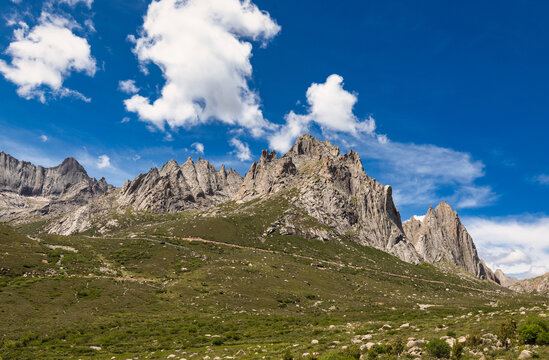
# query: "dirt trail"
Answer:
x=336 y=263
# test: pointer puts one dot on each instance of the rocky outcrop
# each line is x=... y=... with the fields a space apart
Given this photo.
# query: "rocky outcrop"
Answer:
x=29 y=190
x=538 y=285
x=176 y=188
x=334 y=189
x=441 y=237
x=503 y=280
x=171 y=189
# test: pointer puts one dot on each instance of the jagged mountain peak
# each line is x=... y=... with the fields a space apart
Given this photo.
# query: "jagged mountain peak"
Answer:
x=308 y=145
x=61 y=188
x=334 y=189
x=180 y=187
x=441 y=237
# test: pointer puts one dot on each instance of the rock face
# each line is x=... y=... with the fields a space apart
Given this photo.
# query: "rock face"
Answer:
x=504 y=280
x=334 y=189
x=538 y=284
x=440 y=236
x=176 y=188
x=29 y=190
x=171 y=189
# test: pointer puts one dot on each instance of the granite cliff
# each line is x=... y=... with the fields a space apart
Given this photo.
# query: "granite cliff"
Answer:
x=441 y=237
x=27 y=190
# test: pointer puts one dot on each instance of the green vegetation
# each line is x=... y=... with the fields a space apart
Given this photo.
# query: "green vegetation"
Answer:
x=507 y=332
x=151 y=288
x=439 y=348
x=534 y=331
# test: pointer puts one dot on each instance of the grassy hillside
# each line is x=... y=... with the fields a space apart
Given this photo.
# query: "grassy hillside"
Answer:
x=195 y=284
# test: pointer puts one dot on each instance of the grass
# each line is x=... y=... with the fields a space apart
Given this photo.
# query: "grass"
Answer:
x=143 y=290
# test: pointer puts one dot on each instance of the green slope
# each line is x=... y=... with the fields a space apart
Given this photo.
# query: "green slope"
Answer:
x=215 y=285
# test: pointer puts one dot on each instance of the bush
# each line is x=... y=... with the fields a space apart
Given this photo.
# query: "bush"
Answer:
x=528 y=333
x=457 y=351
x=397 y=347
x=543 y=338
x=507 y=331
x=352 y=352
x=336 y=356
x=439 y=348
x=288 y=355
x=473 y=340
x=217 y=341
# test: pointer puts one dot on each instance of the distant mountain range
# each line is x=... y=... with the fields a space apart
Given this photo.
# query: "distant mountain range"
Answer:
x=328 y=186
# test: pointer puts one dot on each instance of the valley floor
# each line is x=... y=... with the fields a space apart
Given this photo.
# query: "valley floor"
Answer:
x=192 y=287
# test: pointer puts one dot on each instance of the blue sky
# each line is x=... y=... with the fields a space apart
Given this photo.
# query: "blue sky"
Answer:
x=458 y=94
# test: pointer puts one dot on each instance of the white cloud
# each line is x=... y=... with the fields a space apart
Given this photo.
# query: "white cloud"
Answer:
x=517 y=245
x=88 y=3
x=44 y=138
x=419 y=217
x=198 y=147
x=103 y=162
x=242 y=150
x=42 y=57
x=125 y=120
x=542 y=179
x=128 y=86
x=427 y=174
x=420 y=174
x=202 y=48
x=331 y=107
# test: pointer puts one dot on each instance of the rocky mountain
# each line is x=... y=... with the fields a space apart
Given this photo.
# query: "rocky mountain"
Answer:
x=177 y=187
x=538 y=284
x=171 y=189
x=441 y=237
x=334 y=189
x=504 y=280
x=325 y=185
x=29 y=190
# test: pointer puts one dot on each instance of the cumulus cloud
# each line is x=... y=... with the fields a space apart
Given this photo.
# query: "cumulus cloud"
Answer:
x=330 y=107
x=418 y=173
x=44 y=138
x=517 y=245
x=203 y=49
x=241 y=150
x=198 y=147
x=42 y=57
x=128 y=86
x=427 y=174
x=103 y=162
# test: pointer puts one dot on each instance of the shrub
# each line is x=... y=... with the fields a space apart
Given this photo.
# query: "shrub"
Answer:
x=352 y=352
x=528 y=333
x=217 y=341
x=532 y=328
x=507 y=331
x=451 y=333
x=543 y=338
x=336 y=356
x=397 y=347
x=457 y=351
x=473 y=340
x=287 y=355
x=439 y=348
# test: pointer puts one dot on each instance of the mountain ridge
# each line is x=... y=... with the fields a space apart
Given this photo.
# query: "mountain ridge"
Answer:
x=330 y=187
x=30 y=190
